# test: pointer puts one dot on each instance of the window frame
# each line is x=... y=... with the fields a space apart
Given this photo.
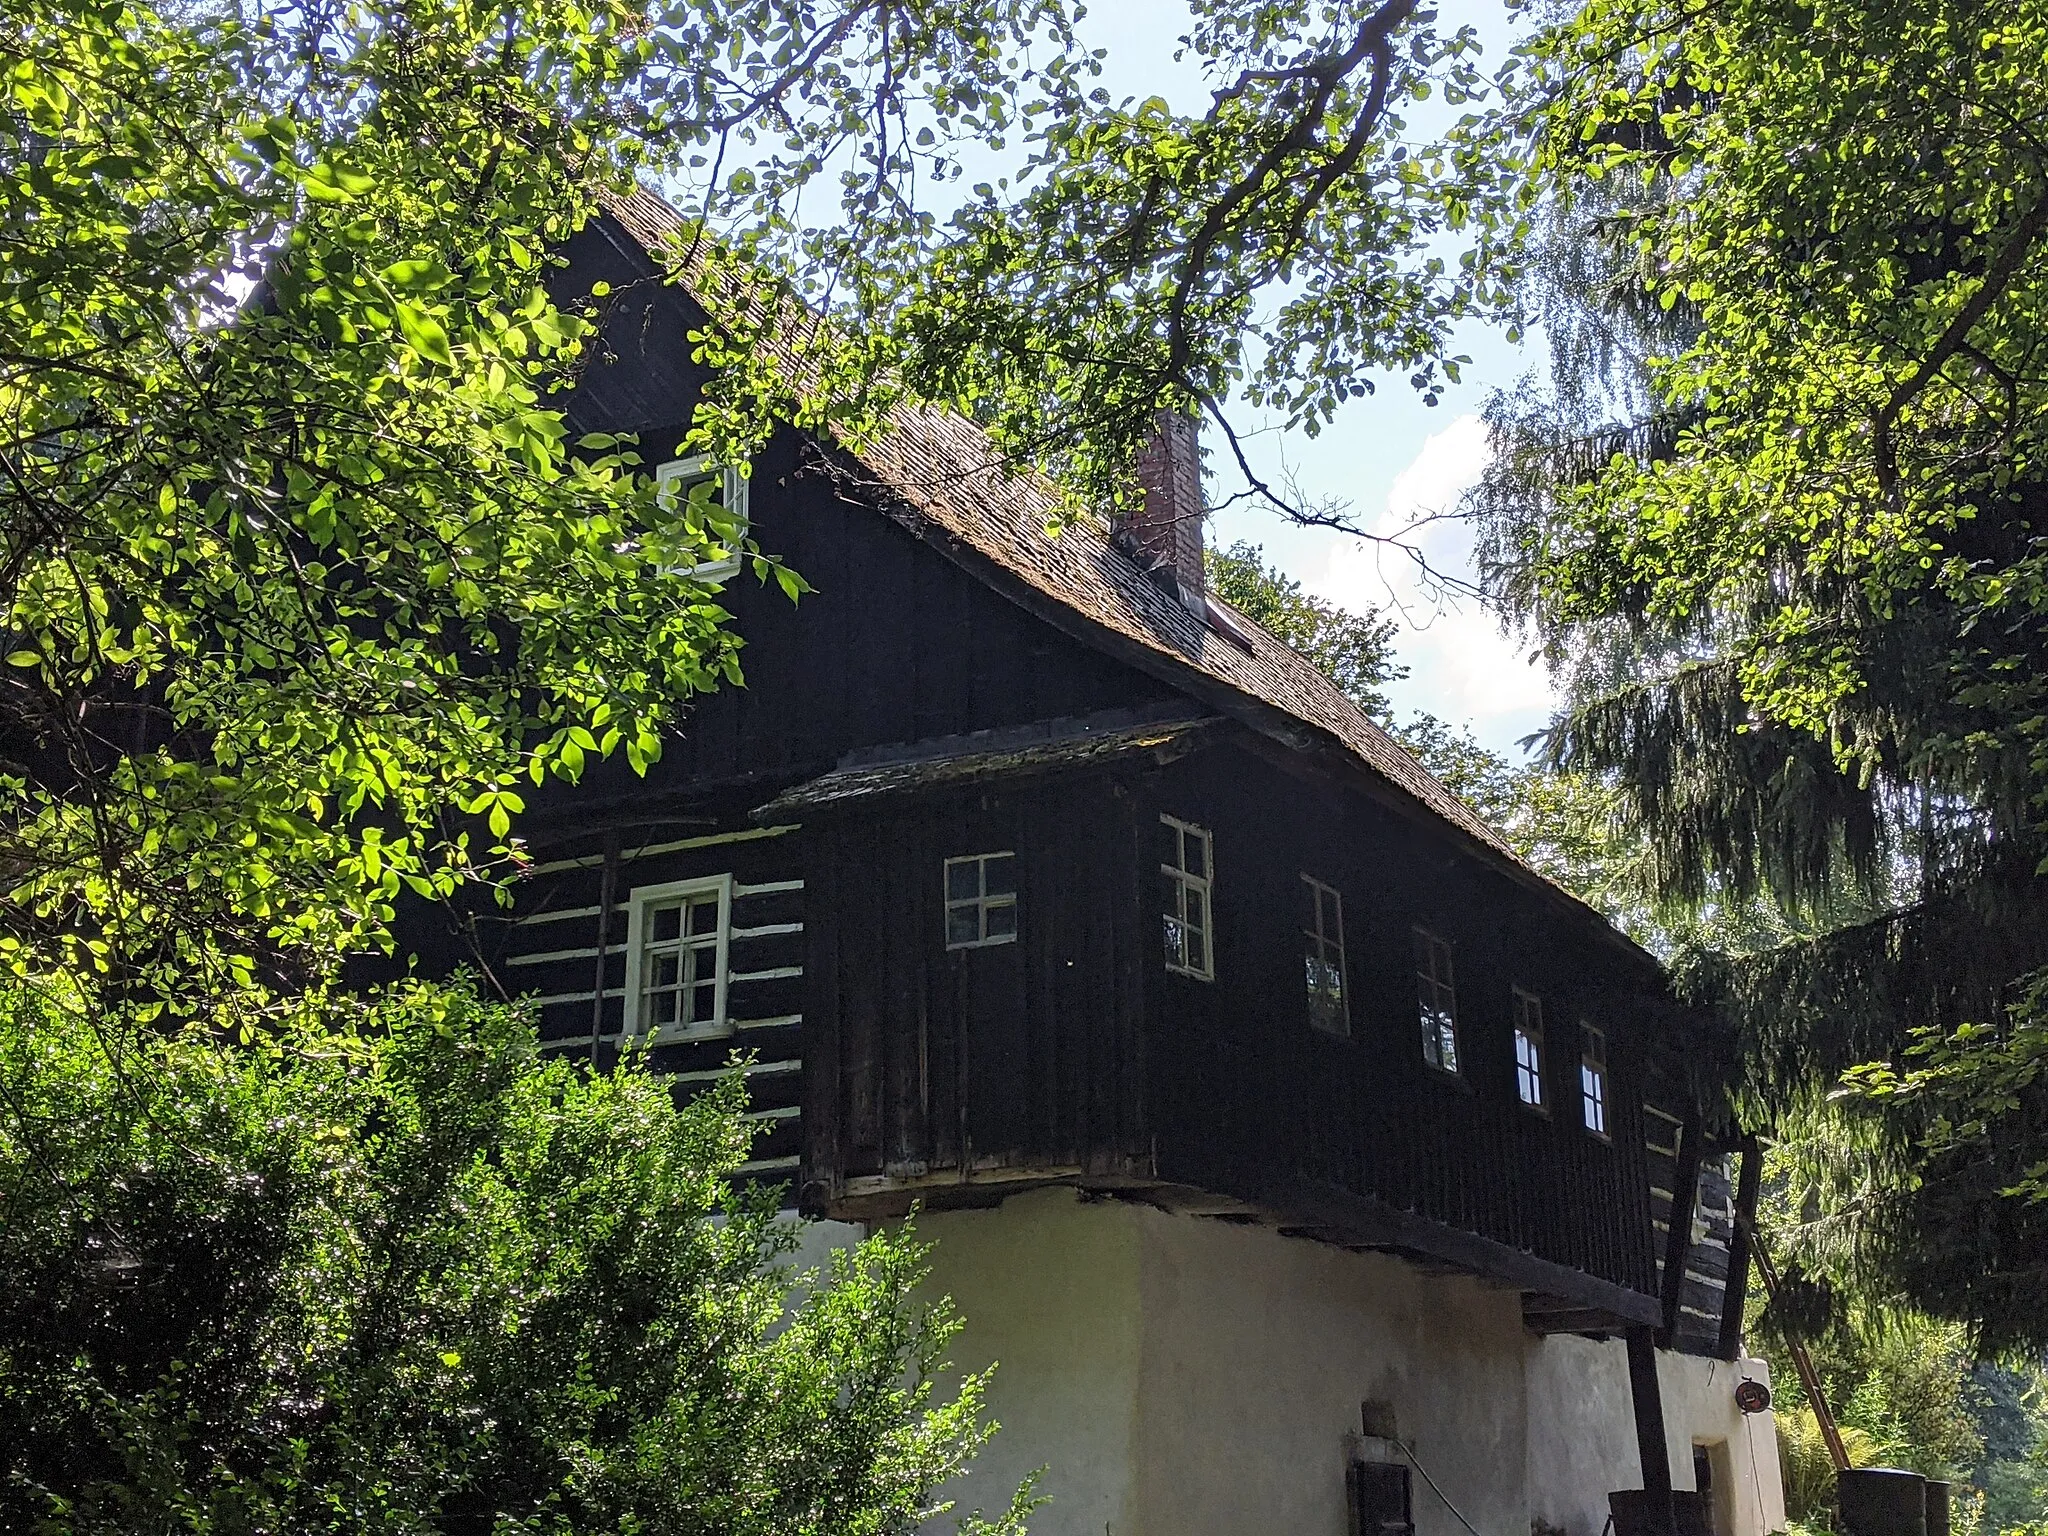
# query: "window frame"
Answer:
x=1427 y=943
x=981 y=902
x=1594 y=1080
x=1203 y=885
x=701 y=466
x=1526 y=1005
x=639 y=901
x=1316 y=944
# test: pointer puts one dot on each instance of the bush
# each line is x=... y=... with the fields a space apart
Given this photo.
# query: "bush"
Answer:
x=392 y=1272
x=1809 y=1469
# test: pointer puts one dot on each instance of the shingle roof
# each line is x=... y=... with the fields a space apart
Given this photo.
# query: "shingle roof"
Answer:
x=950 y=477
x=1049 y=746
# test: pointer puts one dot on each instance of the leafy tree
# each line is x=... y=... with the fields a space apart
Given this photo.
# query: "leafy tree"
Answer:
x=407 y=1276
x=1279 y=246
x=1560 y=823
x=301 y=580
x=1354 y=650
x=1797 y=566
x=299 y=576
x=1904 y=1383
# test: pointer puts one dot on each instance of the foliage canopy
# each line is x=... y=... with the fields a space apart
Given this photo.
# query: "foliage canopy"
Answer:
x=300 y=576
x=1784 y=537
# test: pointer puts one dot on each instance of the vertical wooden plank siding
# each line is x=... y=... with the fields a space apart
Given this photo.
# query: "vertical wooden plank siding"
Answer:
x=1247 y=1088
x=987 y=1057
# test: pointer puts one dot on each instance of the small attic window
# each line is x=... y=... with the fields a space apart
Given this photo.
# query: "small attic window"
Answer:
x=1219 y=617
x=724 y=488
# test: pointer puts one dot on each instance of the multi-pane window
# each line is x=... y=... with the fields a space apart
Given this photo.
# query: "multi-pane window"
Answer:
x=1185 y=874
x=675 y=955
x=981 y=900
x=1529 y=1048
x=1323 y=957
x=1436 y=995
x=1593 y=1079
x=720 y=495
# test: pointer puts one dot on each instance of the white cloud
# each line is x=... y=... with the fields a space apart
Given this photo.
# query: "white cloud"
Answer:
x=1461 y=667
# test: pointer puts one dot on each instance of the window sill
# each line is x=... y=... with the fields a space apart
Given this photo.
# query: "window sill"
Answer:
x=711 y=572
x=671 y=1034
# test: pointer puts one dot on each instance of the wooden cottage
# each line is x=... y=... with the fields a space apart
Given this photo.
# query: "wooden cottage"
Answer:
x=1243 y=1076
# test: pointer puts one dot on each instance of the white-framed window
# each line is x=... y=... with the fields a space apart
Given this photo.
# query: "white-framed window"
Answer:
x=1436 y=997
x=724 y=488
x=1529 y=1049
x=981 y=900
x=677 y=936
x=1322 y=939
x=1186 y=875
x=1593 y=1079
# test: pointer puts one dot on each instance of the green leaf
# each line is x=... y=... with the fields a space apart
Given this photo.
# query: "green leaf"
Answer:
x=417 y=272
x=423 y=333
x=327 y=182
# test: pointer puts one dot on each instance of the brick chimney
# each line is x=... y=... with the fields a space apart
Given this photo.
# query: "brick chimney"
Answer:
x=1165 y=531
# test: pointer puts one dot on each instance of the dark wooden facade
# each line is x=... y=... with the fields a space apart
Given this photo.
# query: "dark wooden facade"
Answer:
x=1075 y=1053
x=910 y=711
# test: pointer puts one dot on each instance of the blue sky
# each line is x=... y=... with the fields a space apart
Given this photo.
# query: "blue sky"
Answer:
x=1390 y=456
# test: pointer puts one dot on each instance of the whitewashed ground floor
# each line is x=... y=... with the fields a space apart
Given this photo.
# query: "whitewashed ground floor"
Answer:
x=1175 y=1376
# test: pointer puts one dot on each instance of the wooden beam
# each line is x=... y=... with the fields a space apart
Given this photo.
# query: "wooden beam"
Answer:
x=1685 y=1196
x=1580 y=1321
x=1651 y=1447
x=607 y=899
x=824 y=1164
x=1735 y=1291
x=1809 y=1378
x=1365 y=1221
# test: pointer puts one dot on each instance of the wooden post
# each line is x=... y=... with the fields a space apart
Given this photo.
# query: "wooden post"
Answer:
x=1648 y=1399
x=1802 y=1362
x=1685 y=1194
x=607 y=897
x=1735 y=1293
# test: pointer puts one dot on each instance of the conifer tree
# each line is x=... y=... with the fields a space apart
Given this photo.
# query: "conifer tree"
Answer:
x=1782 y=522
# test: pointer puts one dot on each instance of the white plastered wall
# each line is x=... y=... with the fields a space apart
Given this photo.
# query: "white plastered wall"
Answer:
x=1582 y=1440
x=1177 y=1376
x=1184 y=1377
x=1258 y=1351
x=1049 y=1290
